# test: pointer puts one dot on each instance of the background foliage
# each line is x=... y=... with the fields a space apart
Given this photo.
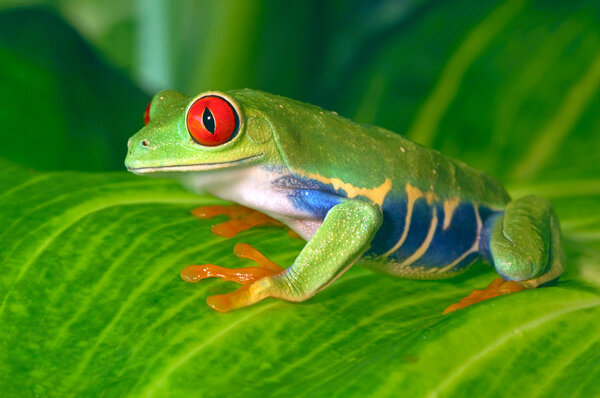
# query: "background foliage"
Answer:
x=92 y=303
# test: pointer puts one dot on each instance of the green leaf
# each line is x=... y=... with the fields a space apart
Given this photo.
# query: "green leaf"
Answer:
x=92 y=304
x=62 y=104
x=518 y=78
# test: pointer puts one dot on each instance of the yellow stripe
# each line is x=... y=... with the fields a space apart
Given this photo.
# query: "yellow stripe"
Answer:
x=449 y=206
x=425 y=245
x=424 y=128
x=548 y=140
x=412 y=194
x=455 y=262
x=472 y=249
x=376 y=194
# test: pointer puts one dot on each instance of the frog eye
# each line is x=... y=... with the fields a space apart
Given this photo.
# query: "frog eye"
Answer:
x=147 y=113
x=212 y=120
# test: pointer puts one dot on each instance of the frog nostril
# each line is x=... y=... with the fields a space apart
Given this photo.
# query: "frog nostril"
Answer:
x=145 y=142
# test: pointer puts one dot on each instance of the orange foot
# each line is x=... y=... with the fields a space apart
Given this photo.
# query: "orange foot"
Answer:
x=241 y=219
x=498 y=287
x=244 y=276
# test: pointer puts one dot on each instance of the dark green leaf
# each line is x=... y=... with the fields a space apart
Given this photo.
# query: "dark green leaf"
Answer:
x=62 y=106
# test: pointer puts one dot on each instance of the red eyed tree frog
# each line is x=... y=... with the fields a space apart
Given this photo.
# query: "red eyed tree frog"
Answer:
x=355 y=193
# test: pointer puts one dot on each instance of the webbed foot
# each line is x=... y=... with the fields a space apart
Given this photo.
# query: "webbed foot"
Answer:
x=249 y=292
x=498 y=287
x=241 y=219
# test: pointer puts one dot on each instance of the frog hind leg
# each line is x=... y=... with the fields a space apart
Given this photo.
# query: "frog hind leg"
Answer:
x=524 y=245
x=240 y=219
x=344 y=235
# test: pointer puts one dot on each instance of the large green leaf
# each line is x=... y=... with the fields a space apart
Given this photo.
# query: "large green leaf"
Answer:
x=518 y=78
x=62 y=105
x=92 y=304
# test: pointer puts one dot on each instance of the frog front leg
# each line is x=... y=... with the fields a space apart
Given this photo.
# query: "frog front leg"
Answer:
x=240 y=219
x=524 y=245
x=344 y=235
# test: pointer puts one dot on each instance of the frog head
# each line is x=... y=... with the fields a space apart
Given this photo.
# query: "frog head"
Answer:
x=210 y=132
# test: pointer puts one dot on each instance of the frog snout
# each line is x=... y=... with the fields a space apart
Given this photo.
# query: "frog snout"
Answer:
x=145 y=143
x=138 y=152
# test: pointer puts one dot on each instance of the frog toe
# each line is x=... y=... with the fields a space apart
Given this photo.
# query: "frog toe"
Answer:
x=195 y=273
x=498 y=287
x=244 y=296
x=254 y=280
x=240 y=219
x=266 y=267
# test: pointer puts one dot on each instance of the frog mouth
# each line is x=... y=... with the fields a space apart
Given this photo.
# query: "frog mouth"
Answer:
x=194 y=167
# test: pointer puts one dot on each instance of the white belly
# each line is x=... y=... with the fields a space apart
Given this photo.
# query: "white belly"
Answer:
x=252 y=187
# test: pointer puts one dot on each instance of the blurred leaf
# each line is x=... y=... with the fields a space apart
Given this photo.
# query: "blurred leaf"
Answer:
x=63 y=107
x=92 y=304
x=298 y=48
x=518 y=78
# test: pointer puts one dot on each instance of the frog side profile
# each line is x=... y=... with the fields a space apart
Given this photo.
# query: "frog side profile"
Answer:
x=355 y=193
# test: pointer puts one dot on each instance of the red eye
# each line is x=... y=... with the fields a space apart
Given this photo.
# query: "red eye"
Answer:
x=147 y=113
x=212 y=121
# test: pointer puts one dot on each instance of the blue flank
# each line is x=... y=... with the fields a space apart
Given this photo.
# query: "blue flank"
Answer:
x=450 y=244
x=417 y=232
x=484 y=244
x=309 y=196
x=392 y=227
x=316 y=199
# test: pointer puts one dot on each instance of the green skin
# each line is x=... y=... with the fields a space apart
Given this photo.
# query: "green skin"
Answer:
x=348 y=182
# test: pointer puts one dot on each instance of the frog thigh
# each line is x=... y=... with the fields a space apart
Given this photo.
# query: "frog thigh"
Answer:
x=524 y=242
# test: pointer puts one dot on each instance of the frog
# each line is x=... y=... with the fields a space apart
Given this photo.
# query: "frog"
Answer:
x=358 y=194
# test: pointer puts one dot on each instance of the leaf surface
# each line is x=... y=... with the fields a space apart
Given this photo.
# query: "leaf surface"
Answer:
x=92 y=304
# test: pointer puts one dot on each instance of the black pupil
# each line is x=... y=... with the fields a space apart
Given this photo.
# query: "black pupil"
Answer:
x=209 y=120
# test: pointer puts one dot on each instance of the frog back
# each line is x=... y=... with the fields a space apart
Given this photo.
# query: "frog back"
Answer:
x=365 y=161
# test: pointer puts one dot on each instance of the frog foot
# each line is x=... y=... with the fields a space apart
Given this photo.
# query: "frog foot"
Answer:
x=241 y=219
x=249 y=292
x=498 y=287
